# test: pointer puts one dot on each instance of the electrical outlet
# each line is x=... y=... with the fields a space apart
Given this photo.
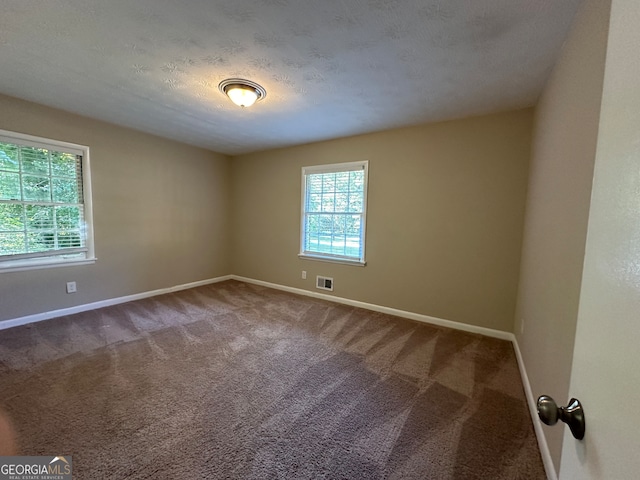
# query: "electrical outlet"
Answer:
x=521 y=326
x=304 y=274
x=71 y=287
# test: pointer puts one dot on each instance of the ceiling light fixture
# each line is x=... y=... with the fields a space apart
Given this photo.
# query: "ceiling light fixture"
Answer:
x=243 y=93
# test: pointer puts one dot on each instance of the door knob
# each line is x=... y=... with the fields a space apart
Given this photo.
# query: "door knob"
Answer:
x=572 y=414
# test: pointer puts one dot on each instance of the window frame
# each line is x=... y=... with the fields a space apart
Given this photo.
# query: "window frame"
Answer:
x=34 y=261
x=331 y=168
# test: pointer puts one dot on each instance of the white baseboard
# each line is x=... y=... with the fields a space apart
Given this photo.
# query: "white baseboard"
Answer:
x=489 y=332
x=533 y=410
x=15 y=322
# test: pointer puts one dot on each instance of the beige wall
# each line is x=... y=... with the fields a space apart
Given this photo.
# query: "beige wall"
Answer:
x=444 y=223
x=161 y=212
x=563 y=155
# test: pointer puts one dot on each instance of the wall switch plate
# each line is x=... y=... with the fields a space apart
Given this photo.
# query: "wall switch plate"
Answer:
x=71 y=287
x=304 y=274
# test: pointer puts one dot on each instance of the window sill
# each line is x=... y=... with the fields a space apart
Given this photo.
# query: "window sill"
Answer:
x=320 y=258
x=17 y=266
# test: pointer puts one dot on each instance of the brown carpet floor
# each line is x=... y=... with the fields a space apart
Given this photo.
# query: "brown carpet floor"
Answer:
x=236 y=381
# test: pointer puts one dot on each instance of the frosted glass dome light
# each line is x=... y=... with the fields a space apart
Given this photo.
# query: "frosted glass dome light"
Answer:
x=243 y=93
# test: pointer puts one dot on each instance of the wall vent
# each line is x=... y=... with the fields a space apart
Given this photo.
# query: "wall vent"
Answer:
x=324 y=283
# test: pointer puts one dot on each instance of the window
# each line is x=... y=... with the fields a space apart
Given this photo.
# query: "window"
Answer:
x=334 y=201
x=45 y=203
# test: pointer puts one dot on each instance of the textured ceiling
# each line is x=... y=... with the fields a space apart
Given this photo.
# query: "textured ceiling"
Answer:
x=331 y=68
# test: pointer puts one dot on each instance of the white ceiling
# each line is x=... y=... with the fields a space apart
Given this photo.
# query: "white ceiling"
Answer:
x=331 y=68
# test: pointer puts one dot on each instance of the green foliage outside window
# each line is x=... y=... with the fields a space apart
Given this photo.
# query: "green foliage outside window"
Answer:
x=40 y=200
x=333 y=212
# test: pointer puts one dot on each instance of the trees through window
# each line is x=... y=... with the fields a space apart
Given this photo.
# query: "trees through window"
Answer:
x=334 y=212
x=45 y=209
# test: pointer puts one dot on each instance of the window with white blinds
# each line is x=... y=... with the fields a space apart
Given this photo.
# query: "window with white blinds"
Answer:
x=45 y=203
x=334 y=200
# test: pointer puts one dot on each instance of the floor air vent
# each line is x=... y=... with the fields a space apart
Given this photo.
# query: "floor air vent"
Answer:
x=324 y=283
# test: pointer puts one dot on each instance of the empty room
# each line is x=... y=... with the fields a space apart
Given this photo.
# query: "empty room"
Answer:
x=356 y=239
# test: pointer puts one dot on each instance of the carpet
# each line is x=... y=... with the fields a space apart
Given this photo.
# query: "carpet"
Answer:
x=238 y=381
